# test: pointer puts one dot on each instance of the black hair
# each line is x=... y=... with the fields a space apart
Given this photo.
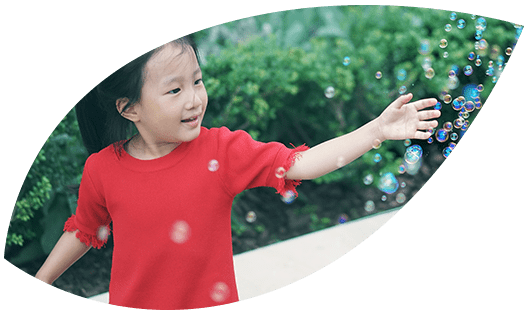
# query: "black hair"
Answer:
x=99 y=121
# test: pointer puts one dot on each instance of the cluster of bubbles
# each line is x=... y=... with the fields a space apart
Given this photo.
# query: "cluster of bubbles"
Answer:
x=463 y=104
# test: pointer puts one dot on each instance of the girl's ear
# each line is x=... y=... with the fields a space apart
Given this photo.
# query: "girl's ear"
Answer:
x=128 y=113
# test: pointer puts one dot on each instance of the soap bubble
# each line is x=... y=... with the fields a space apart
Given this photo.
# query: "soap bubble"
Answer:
x=400 y=198
x=251 y=216
x=219 y=292
x=379 y=75
x=481 y=24
x=468 y=70
x=478 y=35
x=402 y=74
x=342 y=218
x=461 y=24
x=443 y=43
x=213 y=165
x=448 y=28
x=280 y=172
x=377 y=157
x=480 y=88
x=180 y=232
x=407 y=142
x=438 y=106
x=383 y=198
x=368 y=179
x=508 y=51
x=451 y=73
x=441 y=135
x=446 y=152
x=376 y=144
x=447 y=98
x=103 y=232
x=370 y=206
x=446 y=54
x=478 y=62
x=340 y=161
x=453 y=16
x=330 y=92
x=346 y=61
x=388 y=183
x=458 y=123
x=429 y=73
x=401 y=169
x=288 y=197
x=470 y=106
x=448 y=126
x=402 y=89
x=413 y=154
x=425 y=47
x=454 y=136
x=472 y=56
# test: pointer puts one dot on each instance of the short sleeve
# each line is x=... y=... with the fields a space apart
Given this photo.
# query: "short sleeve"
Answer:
x=246 y=163
x=91 y=218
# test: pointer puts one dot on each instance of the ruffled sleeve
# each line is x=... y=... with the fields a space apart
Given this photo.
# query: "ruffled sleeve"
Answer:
x=91 y=218
x=246 y=163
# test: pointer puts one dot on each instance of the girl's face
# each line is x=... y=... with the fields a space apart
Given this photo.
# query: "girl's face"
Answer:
x=173 y=97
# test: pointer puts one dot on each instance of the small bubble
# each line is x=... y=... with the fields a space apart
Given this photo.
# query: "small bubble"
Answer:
x=330 y=92
x=448 y=28
x=402 y=74
x=341 y=161
x=388 y=183
x=103 y=232
x=346 y=61
x=219 y=292
x=508 y=51
x=403 y=184
x=377 y=157
x=443 y=43
x=379 y=75
x=288 y=197
x=472 y=56
x=429 y=73
x=461 y=24
x=468 y=70
x=401 y=169
x=430 y=140
x=213 y=165
x=370 y=206
x=251 y=217
x=376 y=144
x=454 y=136
x=478 y=35
x=441 y=135
x=446 y=152
x=480 y=88
x=448 y=126
x=481 y=24
x=478 y=62
x=400 y=198
x=367 y=180
x=343 y=218
x=469 y=106
x=438 y=106
x=447 y=99
x=446 y=54
x=425 y=47
x=453 y=16
x=280 y=172
x=407 y=142
x=383 y=198
x=180 y=232
x=451 y=73
x=402 y=89
x=458 y=123
x=413 y=154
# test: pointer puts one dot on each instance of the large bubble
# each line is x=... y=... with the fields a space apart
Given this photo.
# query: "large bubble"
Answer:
x=388 y=183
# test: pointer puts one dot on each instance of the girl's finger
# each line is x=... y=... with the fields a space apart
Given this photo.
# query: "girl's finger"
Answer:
x=428 y=114
x=424 y=125
x=402 y=100
x=422 y=135
x=421 y=104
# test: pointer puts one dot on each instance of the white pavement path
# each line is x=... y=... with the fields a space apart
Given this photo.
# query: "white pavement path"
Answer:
x=271 y=267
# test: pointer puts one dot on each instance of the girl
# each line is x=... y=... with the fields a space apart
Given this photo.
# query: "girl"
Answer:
x=169 y=189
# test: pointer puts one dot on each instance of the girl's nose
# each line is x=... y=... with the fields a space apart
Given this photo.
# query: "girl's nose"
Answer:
x=194 y=102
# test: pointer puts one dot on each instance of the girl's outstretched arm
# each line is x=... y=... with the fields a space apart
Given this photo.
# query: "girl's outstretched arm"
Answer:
x=67 y=251
x=400 y=120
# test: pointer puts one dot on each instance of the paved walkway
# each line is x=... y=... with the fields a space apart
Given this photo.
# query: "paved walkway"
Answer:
x=271 y=267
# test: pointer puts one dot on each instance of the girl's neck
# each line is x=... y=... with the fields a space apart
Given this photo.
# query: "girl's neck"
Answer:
x=140 y=149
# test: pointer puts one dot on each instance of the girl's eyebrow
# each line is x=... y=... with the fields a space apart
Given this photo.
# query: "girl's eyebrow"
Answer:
x=172 y=79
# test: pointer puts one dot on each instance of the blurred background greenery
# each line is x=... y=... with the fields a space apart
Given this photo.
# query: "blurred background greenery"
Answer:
x=303 y=76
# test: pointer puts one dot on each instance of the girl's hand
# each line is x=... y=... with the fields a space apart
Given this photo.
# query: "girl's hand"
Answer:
x=401 y=121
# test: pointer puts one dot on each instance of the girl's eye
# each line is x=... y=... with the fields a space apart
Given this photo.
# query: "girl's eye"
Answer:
x=175 y=91
x=198 y=81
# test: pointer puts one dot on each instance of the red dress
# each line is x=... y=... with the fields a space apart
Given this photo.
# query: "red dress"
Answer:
x=172 y=216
